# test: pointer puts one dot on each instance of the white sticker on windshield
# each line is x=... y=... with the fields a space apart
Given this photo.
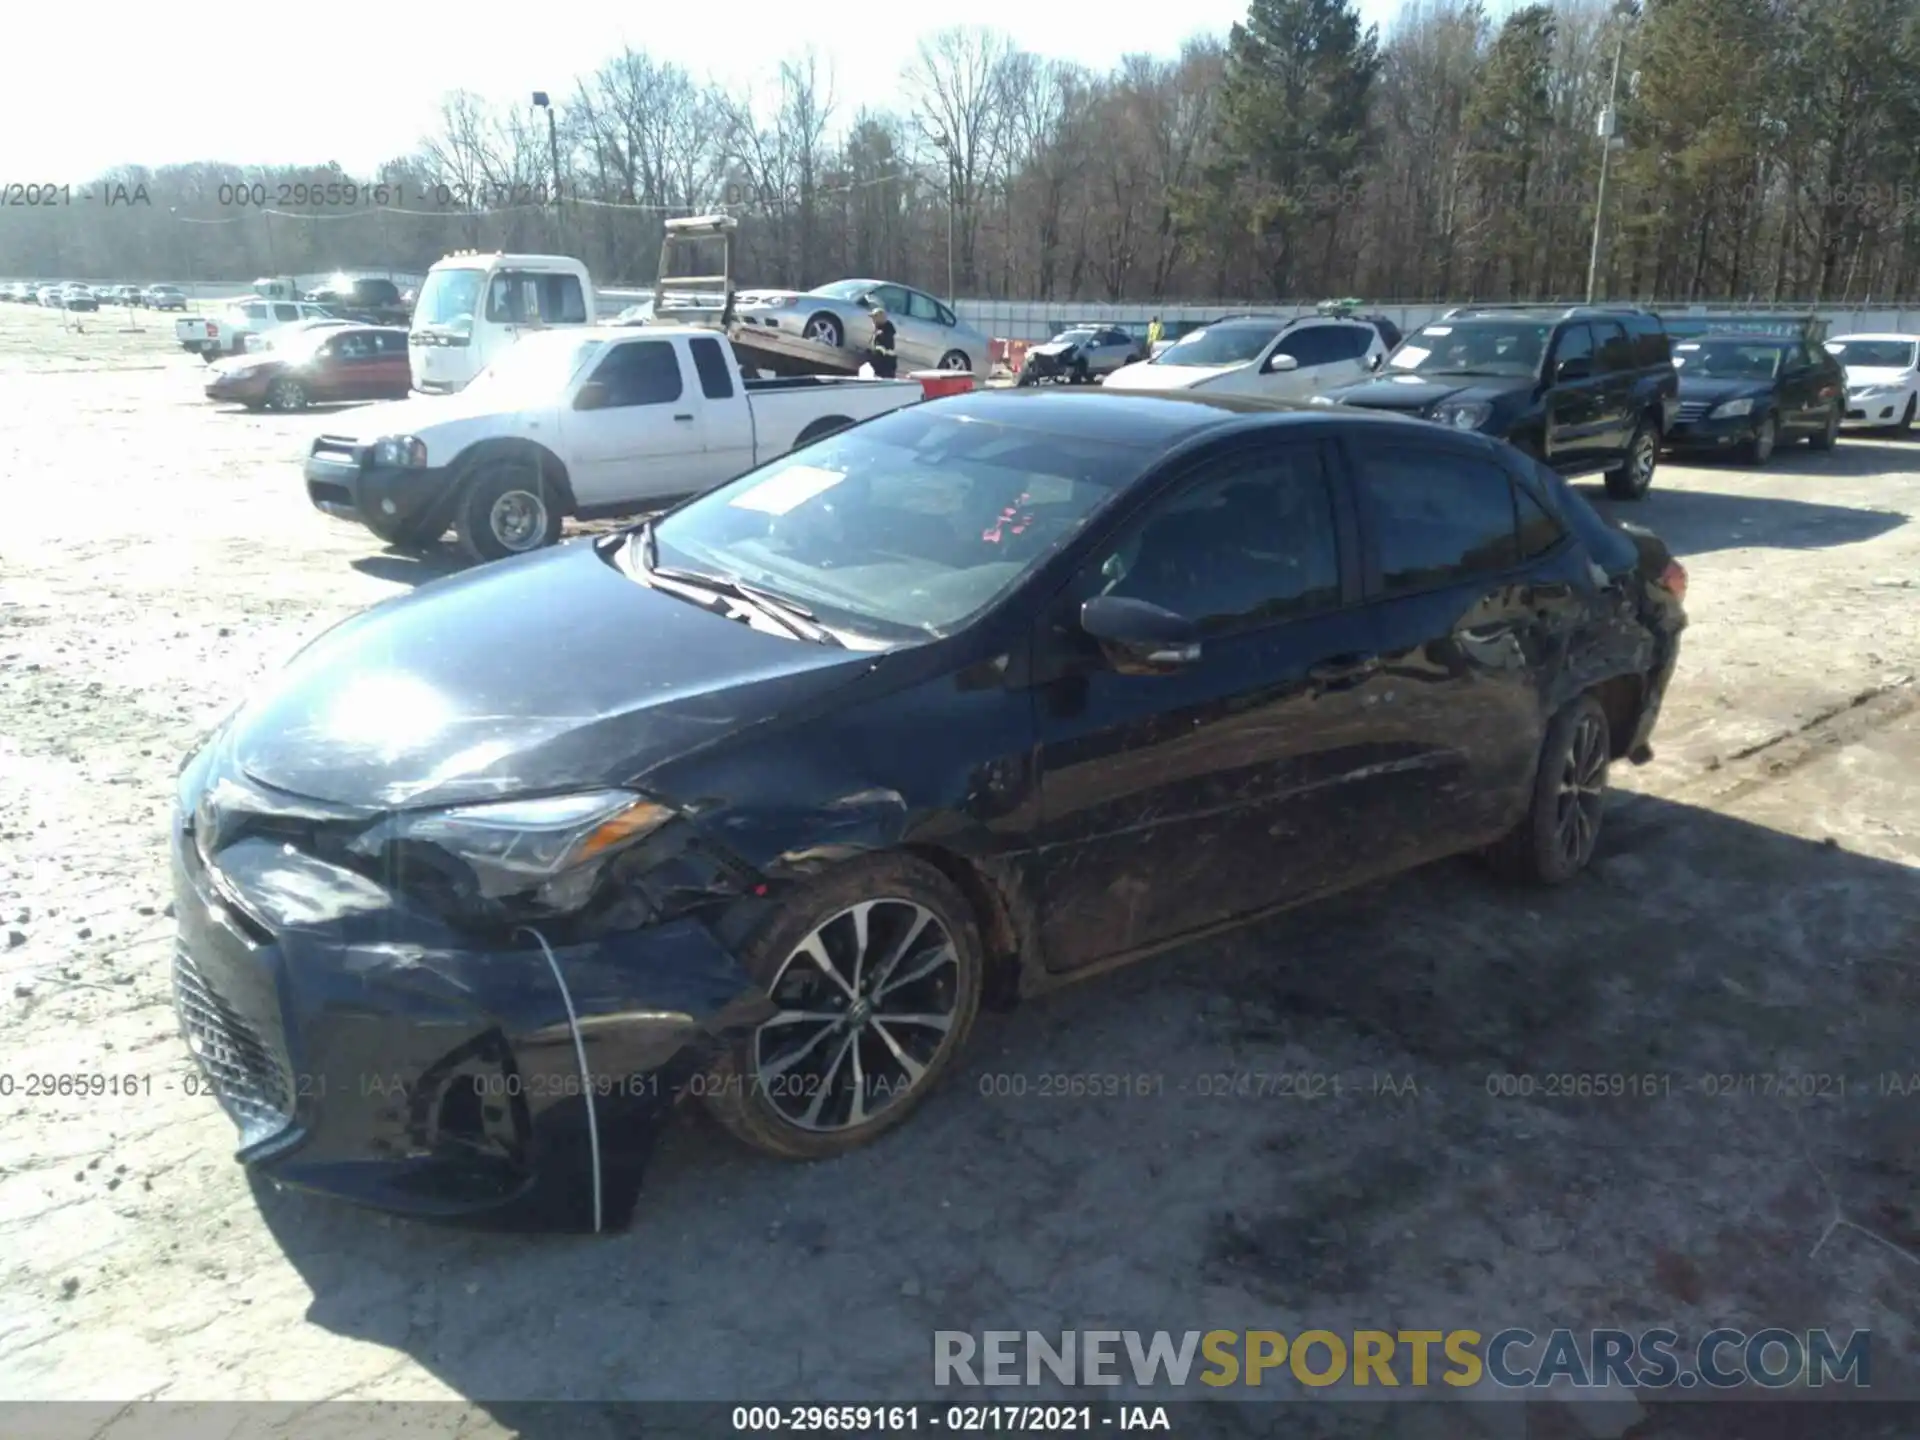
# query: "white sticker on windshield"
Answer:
x=1409 y=355
x=1438 y=330
x=789 y=489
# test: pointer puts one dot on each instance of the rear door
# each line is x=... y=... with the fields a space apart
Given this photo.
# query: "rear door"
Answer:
x=640 y=433
x=1457 y=630
x=727 y=414
x=1614 y=365
x=390 y=377
x=1176 y=800
x=1575 y=419
x=923 y=339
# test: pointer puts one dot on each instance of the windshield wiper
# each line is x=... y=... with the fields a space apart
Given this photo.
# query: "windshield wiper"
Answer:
x=790 y=613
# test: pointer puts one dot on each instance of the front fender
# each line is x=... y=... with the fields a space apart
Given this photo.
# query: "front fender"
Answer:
x=514 y=448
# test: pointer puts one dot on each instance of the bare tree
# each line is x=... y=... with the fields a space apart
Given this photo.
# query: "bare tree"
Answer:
x=958 y=86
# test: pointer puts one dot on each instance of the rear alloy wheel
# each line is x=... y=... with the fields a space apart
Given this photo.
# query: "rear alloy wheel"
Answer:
x=826 y=330
x=287 y=393
x=1765 y=435
x=506 y=509
x=876 y=974
x=1634 y=477
x=956 y=360
x=1556 y=839
x=1829 y=435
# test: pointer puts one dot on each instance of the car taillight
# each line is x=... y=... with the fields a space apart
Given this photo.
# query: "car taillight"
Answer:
x=1673 y=580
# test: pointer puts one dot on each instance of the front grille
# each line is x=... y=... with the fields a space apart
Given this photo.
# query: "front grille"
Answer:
x=250 y=1073
x=1691 y=410
x=340 y=447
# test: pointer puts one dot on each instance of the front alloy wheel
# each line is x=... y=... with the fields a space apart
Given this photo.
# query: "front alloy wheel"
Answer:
x=1555 y=839
x=873 y=998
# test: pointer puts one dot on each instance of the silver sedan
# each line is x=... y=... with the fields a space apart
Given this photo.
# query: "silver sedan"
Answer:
x=929 y=336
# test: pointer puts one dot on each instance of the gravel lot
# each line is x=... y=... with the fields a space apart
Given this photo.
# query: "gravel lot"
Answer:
x=1755 y=913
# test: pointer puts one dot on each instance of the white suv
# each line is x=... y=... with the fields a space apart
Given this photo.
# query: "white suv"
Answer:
x=1883 y=380
x=1274 y=359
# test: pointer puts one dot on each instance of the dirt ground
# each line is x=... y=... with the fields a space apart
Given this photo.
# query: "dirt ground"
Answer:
x=1755 y=914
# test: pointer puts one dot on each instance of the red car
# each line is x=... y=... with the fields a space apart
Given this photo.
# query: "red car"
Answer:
x=316 y=367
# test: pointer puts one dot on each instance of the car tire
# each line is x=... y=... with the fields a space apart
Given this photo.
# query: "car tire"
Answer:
x=956 y=360
x=506 y=508
x=802 y=1106
x=1634 y=476
x=287 y=393
x=210 y=354
x=1766 y=434
x=826 y=329
x=1903 y=427
x=1829 y=434
x=1556 y=838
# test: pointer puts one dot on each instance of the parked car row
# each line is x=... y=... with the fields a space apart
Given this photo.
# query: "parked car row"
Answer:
x=75 y=295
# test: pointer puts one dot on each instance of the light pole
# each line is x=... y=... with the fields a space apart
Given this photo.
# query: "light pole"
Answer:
x=1624 y=12
x=542 y=102
x=945 y=146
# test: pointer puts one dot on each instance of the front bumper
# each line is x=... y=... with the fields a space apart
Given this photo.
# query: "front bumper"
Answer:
x=396 y=502
x=250 y=391
x=366 y=1051
x=1877 y=413
x=1706 y=434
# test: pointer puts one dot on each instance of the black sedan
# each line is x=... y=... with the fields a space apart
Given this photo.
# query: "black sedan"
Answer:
x=759 y=803
x=1750 y=393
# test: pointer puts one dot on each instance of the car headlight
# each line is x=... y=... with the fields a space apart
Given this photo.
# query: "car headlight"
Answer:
x=1464 y=417
x=406 y=450
x=1727 y=409
x=1874 y=392
x=546 y=853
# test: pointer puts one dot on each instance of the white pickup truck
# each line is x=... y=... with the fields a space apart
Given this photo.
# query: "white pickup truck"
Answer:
x=227 y=332
x=586 y=420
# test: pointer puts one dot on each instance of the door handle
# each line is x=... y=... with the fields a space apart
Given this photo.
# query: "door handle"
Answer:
x=1343 y=670
x=684 y=418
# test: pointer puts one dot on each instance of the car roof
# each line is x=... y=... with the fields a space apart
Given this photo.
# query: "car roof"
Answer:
x=1149 y=419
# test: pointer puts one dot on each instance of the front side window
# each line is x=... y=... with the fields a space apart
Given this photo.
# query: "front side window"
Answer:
x=1575 y=343
x=1438 y=516
x=1612 y=346
x=644 y=372
x=908 y=525
x=922 y=307
x=1250 y=542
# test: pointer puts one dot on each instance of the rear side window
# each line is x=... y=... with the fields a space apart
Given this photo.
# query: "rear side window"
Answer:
x=1650 y=347
x=1609 y=546
x=1438 y=516
x=390 y=342
x=716 y=383
x=1614 y=350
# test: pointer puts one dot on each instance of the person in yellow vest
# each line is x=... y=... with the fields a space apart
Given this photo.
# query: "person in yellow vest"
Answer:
x=1153 y=333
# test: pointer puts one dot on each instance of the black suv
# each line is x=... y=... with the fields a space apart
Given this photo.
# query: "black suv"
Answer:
x=1588 y=389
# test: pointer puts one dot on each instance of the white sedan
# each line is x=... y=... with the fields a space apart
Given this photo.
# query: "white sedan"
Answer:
x=1883 y=380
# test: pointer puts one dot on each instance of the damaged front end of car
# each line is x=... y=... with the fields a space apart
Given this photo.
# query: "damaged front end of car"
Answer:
x=478 y=1013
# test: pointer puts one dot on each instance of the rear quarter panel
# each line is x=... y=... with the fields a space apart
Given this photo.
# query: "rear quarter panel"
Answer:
x=781 y=416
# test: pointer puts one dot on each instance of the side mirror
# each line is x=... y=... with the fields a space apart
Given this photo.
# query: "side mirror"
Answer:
x=1375 y=360
x=1580 y=367
x=1279 y=364
x=592 y=396
x=1139 y=638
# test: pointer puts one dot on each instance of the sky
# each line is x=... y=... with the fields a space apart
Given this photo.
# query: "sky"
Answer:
x=256 y=85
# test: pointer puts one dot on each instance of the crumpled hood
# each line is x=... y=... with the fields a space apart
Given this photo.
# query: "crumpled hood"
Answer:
x=543 y=673
x=1159 y=376
x=1417 y=392
x=1053 y=348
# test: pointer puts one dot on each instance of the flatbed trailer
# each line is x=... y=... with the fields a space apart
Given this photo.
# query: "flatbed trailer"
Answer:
x=696 y=287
